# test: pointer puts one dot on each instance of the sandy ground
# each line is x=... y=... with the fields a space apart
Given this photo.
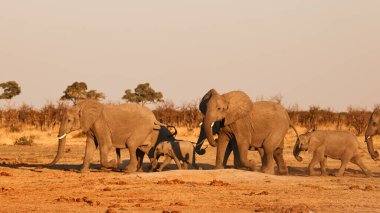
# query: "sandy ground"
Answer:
x=28 y=185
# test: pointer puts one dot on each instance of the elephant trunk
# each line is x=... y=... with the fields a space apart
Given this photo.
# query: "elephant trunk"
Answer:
x=208 y=130
x=61 y=146
x=374 y=154
x=297 y=150
x=200 y=141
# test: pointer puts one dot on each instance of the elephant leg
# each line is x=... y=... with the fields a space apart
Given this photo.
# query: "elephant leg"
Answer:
x=221 y=150
x=243 y=151
x=264 y=158
x=323 y=166
x=185 y=165
x=90 y=149
x=316 y=158
x=237 y=163
x=140 y=158
x=358 y=161
x=268 y=168
x=278 y=157
x=104 y=150
x=342 y=168
x=178 y=163
x=227 y=154
x=132 y=167
x=118 y=157
x=165 y=163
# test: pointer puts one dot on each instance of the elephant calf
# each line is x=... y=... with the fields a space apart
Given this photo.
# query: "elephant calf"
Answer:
x=340 y=145
x=177 y=150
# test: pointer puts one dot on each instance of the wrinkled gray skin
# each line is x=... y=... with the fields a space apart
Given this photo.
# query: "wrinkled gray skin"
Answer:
x=178 y=151
x=164 y=134
x=339 y=145
x=372 y=130
x=253 y=125
x=106 y=126
x=231 y=147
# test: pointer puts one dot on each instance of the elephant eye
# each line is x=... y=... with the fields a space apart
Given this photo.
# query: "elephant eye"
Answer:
x=69 y=120
x=219 y=108
x=374 y=123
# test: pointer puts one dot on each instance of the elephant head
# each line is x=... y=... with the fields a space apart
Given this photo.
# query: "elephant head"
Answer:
x=228 y=108
x=81 y=116
x=372 y=130
x=303 y=144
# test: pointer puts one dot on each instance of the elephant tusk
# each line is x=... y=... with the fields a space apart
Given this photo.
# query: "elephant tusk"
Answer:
x=367 y=138
x=200 y=144
x=61 y=137
x=212 y=124
x=201 y=124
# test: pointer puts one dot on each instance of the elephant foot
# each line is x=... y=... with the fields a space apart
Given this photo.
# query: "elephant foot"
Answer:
x=84 y=170
x=219 y=167
x=268 y=171
x=368 y=174
x=283 y=172
x=140 y=169
x=324 y=173
x=338 y=175
x=131 y=168
x=312 y=173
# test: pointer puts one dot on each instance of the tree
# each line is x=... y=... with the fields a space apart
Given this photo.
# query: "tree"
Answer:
x=78 y=90
x=10 y=90
x=143 y=94
x=93 y=94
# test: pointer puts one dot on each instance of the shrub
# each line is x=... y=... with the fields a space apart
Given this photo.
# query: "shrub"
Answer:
x=15 y=129
x=25 y=141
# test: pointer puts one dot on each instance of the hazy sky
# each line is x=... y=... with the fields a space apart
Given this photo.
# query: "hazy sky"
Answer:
x=324 y=53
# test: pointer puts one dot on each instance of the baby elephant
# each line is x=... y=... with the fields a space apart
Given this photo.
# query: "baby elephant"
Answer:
x=339 y=145
x=177 y=150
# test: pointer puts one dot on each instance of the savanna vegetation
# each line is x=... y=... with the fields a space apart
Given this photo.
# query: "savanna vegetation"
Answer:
x=187 y=115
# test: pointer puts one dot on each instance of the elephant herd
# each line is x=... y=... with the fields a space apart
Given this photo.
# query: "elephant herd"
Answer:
x=241 y=125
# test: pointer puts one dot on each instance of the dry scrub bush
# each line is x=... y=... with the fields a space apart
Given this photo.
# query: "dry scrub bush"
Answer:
x=25 y=140
x=186 y=115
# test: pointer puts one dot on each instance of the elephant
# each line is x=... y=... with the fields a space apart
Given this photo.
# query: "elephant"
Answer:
x=122 y=126
x=231 y=147
x=373 y=129
x=339 y=145
x=164 y=134
x=262 y=124
x=177 y=150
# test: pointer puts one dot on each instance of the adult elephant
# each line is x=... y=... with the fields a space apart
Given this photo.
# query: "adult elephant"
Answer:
x=372 y=130
x=122 y=126
x=261 y=124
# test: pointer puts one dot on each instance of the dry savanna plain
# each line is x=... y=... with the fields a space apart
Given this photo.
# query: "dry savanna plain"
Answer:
x=27 y=184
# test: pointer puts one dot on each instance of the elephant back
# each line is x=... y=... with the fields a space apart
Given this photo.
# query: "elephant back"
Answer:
x=128 y=119
x=269 y=116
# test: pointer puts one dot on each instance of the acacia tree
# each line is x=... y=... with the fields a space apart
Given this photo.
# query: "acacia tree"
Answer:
x=143 y=94
x=78 y=90
x=10 y=90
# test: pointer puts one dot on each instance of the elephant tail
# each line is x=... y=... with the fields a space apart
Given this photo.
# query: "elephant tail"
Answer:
x=297 y=146
x=295 y=130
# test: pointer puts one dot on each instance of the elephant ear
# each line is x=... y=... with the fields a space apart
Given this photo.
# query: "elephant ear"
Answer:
x=314 y=143
x=90 y=110
x=239 y=106
x=205 y=99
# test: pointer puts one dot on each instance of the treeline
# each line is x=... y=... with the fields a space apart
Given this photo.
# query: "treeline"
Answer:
x=16 y=119
x=186 y=115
